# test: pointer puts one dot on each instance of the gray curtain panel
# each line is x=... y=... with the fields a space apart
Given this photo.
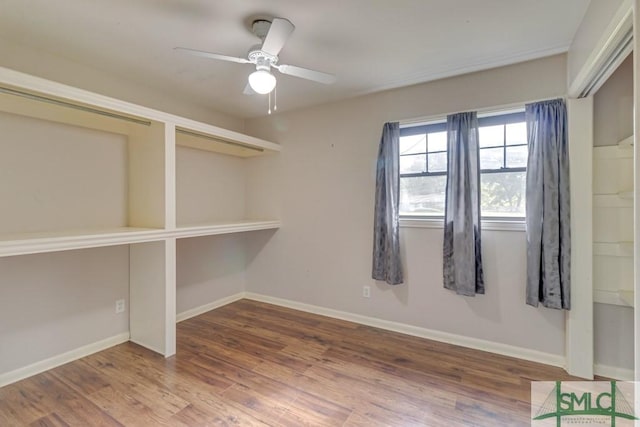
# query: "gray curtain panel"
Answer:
x=387 y=264
x=548 y=217
x=462 y=267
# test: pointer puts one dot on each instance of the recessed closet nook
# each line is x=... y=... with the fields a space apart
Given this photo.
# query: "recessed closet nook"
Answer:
x=103 y=200
x=613 y=215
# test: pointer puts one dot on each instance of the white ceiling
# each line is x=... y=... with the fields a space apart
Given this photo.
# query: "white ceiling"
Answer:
x=370 y=45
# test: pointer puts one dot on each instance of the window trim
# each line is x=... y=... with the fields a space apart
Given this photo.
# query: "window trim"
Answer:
x=516 y=223
x=487 y=223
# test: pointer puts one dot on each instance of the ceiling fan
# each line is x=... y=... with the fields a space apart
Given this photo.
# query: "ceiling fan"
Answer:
x=264 y=56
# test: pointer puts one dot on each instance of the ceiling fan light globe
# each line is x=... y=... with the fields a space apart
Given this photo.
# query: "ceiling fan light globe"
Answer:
x=262 y=81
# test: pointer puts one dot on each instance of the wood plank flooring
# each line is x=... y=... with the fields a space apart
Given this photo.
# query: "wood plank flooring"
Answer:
x=254 y=364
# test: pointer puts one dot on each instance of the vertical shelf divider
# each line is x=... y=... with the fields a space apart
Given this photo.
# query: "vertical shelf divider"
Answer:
x=152 y=270
x=152 y=296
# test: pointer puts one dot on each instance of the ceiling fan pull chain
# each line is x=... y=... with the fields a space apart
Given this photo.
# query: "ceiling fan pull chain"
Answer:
x=269 y=111
x=275 y=98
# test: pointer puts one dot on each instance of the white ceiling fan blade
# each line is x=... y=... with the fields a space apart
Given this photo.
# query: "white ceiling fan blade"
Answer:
x=212 y=55
x=248 y=90
x=277 y=36
x=305 y=73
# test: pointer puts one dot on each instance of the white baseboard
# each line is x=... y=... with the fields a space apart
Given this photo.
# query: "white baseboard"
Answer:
x=614 y=372
x=61 y=359
x=475 y=343
x=463 y=341
x=208 y=307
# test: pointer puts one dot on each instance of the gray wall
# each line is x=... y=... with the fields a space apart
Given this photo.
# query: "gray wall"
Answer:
x=322 y=187
x=57 y=302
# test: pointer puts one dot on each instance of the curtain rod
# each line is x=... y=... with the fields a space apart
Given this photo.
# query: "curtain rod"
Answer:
x=59 y=102
x=213 y=138
x=487 y=111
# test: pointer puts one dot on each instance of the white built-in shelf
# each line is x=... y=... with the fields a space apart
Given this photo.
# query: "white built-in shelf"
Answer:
x=627 y=195
x=621 y=297
x=619 y=200
x=66 y=104
x=145 y=158
x=618 y=249
x=223 y=228
x=626 y=295
x=613 y=247
x=626 y=143
x=620 y=151
x=33 y=243
x=208 y=138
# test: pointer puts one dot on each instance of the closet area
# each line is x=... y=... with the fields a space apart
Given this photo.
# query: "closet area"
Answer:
x=115 y=219
x=613 y=224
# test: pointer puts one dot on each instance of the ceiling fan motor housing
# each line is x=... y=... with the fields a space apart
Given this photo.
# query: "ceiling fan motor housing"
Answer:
x=262 y=59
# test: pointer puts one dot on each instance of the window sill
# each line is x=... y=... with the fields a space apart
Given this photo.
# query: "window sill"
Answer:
x=487 y=224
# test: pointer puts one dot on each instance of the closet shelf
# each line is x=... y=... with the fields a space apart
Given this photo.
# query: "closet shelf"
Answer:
x=626 y=143
x=622 y=297
x=619 y=200
x=619 y=249
x=213 y=229
x=32 y=96
x=627 y=195
x=33 y=243
x=613 y=152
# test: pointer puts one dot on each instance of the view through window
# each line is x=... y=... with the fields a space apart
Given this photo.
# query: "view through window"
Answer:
x=503 y=163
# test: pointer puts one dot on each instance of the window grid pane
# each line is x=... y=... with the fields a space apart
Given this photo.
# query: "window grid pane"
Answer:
x=517 y=156
x=491 y=136
x=413 y=144
x=437 y=162
x=503 y=194
x=423 y=195
x=413 y=163
x=492 y=158
x=516 y=134
x=437 y=142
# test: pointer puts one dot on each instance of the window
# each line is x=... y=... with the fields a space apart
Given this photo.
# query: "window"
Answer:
x=503 y=165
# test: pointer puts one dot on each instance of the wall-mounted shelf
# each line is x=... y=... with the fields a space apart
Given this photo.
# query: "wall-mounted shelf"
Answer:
x=223 y=228
x=33 y=243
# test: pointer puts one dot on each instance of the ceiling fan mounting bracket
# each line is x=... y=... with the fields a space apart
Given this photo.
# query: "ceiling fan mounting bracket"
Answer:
x=260 y=27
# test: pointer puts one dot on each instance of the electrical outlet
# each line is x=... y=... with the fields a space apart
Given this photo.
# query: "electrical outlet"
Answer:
x=120 y=306
x=366 y=291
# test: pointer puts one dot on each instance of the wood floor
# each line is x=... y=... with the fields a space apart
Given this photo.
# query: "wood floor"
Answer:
x=250 y=364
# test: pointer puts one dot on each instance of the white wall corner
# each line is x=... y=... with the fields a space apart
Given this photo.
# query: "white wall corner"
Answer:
x=188 y=314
